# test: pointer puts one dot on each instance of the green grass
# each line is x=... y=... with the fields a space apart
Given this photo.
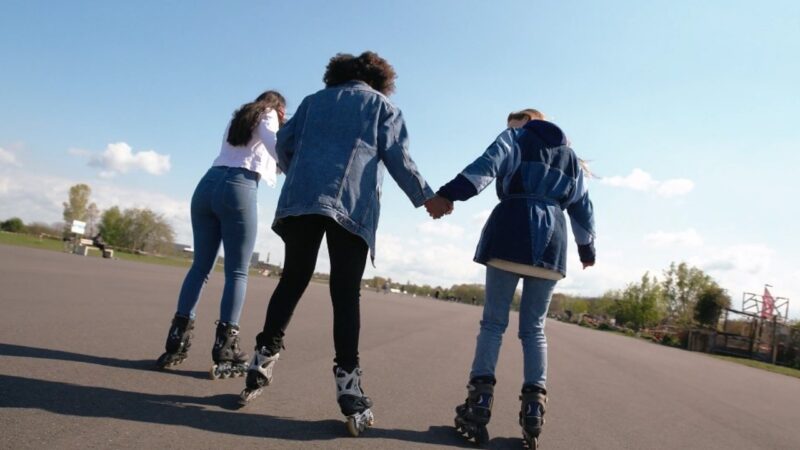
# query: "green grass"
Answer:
x=761 y=365
x=25 y=240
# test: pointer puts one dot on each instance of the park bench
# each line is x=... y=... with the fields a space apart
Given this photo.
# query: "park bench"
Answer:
x=84 y=245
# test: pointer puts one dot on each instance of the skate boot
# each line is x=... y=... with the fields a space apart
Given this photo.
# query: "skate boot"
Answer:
x=473 y=415
x=352 y=401
x=531 y=415
x=228 y=360
x=179 y=339
x=259 y=374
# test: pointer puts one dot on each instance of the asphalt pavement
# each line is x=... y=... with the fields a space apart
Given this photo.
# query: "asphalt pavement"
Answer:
x=79 y=335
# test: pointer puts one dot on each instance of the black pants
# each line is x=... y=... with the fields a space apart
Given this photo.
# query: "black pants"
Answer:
x=302 y=236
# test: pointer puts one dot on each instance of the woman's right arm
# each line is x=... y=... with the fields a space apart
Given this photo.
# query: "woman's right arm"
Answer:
x=393 y=151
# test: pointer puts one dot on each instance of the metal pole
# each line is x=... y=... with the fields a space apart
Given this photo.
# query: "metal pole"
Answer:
x=774 y=339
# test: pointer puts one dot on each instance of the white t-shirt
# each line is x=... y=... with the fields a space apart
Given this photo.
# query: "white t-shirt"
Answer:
x=524 y=269
x=259 y=154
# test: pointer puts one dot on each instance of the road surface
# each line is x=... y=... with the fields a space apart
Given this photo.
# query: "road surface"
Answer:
x=78 y=337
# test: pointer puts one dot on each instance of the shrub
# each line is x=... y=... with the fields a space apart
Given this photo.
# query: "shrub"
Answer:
x=13 y=225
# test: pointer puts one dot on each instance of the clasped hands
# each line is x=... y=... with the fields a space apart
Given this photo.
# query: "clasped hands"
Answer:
x=438 y=206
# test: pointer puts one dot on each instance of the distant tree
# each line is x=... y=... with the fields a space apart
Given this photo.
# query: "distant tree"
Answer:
x=92 y=216
x=39 y=228
x=13 y=225
x=78 y=206
x=557 y=302
x=136 y=229
x=112 y=227
x=682 y=286
x=710 y=303
x=601 y=307
x=465 y=293
x=377 y=282
x=640 y=304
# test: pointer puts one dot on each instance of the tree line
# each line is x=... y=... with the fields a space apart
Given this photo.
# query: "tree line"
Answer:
x=684 y=296
x=131 y=229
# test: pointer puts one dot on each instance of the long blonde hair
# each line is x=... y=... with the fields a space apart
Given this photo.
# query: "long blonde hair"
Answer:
x=535 y=114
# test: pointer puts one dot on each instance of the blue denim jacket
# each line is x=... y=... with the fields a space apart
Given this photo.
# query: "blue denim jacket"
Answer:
x=538 y=176
x=333 y=151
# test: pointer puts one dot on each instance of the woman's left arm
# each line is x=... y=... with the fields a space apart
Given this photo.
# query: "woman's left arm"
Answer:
x=480 y=174
x=581 y=217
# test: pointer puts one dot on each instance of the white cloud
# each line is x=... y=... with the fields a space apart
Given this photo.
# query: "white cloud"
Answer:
x=752 y=259
x=747 y=267
x=675 y=188
x=425 y=261
x=688 y=238
x=8 y=158
x=481 y=217
x=440 y=228
x=119 y=158
x=39 y=198
x=639 y=180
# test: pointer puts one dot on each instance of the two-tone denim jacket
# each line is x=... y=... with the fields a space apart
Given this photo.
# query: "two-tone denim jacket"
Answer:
x=538 y=176
x=333 y=151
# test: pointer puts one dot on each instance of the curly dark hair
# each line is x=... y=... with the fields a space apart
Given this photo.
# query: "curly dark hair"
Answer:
x=246 y=118
x=367 y=67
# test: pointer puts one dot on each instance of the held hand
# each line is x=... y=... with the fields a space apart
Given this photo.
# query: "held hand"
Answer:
x=587 y=264
x=438 y=206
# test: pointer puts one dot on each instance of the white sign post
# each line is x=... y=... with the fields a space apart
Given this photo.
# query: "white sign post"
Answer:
x=78 y=227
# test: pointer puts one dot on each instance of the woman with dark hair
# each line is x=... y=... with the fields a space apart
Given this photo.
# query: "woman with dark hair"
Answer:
x=333 y=151
x=224 y=211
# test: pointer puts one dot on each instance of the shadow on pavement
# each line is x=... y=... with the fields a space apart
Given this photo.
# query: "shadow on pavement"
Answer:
x=89 y=401
x=44 y=353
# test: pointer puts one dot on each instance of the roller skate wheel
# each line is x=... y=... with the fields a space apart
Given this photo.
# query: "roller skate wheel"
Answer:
x=215 y=373
x=531 y=442
x=352 y=427
x=248 y=395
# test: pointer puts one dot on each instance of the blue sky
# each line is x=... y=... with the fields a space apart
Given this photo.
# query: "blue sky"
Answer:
x=686 y=109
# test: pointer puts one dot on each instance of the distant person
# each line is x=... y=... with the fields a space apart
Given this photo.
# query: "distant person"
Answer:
x=333 y=151
x=538 y=176
x=100 y=243
x=224 y=210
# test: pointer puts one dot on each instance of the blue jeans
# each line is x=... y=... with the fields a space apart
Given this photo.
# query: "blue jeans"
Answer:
x=536 y=294
x=224 y=210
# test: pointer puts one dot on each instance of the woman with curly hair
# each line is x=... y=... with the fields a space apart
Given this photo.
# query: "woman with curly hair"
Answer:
x=333 y=151
x=224 y=211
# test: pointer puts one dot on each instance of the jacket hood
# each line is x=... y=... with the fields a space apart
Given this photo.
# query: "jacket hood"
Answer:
x=547 y=132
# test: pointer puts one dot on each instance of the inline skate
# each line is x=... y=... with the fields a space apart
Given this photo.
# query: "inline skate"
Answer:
x=259 y=374
x=352 y=401
x=228 y=360
x=179 y=339
x=474 y=414
x=531 y=414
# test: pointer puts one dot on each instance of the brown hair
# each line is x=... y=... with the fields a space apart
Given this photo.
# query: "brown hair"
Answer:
x=247 y=116
x=527 y=114
x=367 y=67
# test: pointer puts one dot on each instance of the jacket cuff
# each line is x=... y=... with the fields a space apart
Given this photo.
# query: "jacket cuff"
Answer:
x=586 y=252
x=459 y=188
